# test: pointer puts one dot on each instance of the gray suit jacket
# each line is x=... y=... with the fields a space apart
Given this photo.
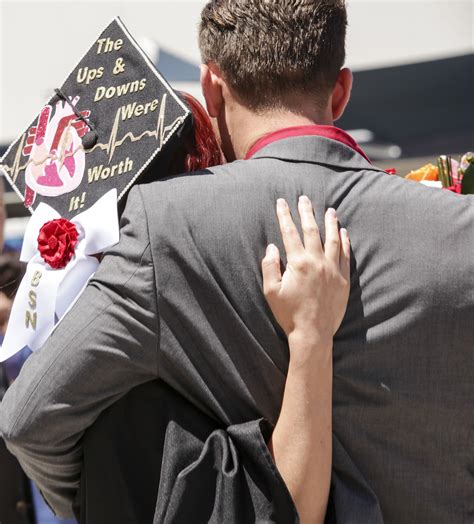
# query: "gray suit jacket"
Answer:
x=180 y=298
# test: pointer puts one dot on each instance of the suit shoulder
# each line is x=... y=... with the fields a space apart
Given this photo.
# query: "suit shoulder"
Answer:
x=204 y=183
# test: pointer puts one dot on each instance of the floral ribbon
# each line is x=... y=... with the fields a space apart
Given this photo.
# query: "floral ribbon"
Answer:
x=46 y=294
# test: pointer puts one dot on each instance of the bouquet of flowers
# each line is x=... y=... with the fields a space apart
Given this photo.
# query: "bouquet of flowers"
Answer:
x=448 y=174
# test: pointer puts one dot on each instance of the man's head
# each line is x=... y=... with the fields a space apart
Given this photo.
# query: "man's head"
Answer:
x=273 y=55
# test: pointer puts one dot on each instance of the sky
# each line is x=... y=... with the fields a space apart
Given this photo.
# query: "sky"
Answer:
x=41 y=42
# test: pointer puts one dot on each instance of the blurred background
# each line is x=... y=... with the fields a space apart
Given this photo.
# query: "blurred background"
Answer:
x=413 y=63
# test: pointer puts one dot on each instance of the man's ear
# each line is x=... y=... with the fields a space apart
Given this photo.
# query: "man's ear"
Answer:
x=341 y=93
x=211 y=83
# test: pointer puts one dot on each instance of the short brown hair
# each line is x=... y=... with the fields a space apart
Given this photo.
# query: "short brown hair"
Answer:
x=268 y=49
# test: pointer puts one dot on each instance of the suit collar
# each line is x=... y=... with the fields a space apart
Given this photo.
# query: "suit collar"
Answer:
x=326 y=131
x=316 y=150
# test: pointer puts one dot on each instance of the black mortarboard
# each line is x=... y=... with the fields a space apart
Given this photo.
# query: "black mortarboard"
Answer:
x=101 y=130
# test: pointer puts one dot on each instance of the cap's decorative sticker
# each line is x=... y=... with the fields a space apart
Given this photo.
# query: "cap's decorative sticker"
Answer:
x=100 y=131
x=56 y=156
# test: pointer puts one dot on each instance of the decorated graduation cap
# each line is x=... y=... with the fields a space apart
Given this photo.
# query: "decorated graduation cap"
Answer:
x=109 y=123
x=100 y=131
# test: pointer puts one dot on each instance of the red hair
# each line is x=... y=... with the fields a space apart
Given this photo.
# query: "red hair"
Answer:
x=200 y=149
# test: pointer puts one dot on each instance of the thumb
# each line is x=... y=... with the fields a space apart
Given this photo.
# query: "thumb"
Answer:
x=271 y=271
x=42 y=125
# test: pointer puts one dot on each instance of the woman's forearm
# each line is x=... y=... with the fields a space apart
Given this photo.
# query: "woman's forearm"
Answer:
x=302 y=439
x=308 y=301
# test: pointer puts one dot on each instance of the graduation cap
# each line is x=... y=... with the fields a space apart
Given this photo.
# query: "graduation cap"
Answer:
x=112 y=119
x=100 y=131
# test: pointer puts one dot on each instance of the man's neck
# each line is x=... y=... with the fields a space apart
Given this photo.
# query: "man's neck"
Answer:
x=251 y=127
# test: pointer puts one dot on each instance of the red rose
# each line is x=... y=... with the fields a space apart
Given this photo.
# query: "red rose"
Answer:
x=57 y=240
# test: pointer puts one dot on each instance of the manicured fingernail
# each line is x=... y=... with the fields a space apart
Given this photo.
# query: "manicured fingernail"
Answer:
x=281 y=202
x=332 y=213
x=344 y=234
x=304 y=200
x=272 y=251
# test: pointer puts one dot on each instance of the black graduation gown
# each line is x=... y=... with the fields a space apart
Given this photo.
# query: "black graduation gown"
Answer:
x=15 y=496
x=153 y=457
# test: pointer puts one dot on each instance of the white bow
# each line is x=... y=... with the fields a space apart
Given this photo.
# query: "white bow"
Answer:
x=45 y=295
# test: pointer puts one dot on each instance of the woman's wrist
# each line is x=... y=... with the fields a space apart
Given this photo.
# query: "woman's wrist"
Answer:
x=308 y=346
x=309 y=337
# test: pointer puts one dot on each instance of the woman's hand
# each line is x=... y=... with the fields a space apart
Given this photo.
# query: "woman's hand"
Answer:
x=310 y=298
x=308 y=301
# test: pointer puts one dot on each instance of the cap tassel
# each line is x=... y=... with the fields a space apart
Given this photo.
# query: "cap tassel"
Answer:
x=89 y=140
